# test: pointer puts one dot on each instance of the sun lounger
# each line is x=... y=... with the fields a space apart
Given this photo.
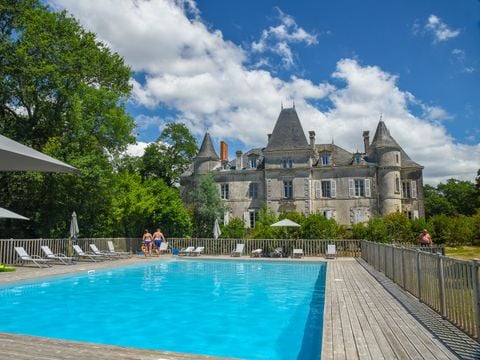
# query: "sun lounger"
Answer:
x=86 y=256
x=331 y=252
x=163 y=248
x=35 y=259
x=106 y=255
x=238 y=250
x=197 y=252
x=297 y=253
x=256 y=253
x=62 y=258
x=278 y=252
x=187 y=250
x=111 y=250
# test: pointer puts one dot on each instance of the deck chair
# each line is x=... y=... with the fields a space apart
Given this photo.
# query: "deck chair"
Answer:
x=277 y=252
x=106 y=255
x=198 y=251
x=256 y=253
x=35 y=259
x=187 y=250
x=163 y=247
x=61 y=258
x=86 y=256
x=331 y=252
x=111 y=250
x=238 y=250
x=297 y=253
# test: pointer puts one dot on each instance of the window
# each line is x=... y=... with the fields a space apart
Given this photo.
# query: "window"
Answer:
x=325 y=189
x=288 y=189
x=359 y=187
x=357 y=159
x=397 y=159
x=253 y=214
x=287 y=163
x=325 y=159
x=224 y=191
x=359 y=216
x=397 y=185
x=328 y=214
x=253 y=190
x=253 y=163
x=409 y=188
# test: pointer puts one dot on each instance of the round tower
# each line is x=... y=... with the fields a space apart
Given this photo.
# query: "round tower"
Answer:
x=207 y=158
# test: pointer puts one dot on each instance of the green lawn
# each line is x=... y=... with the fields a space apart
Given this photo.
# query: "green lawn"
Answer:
x=463 y=252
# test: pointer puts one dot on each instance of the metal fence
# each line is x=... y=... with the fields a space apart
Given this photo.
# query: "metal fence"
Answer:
x=311 y=247
x=449 y=286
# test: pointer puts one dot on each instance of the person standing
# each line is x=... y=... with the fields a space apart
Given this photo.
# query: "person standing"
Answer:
x=157 y=239
x=425 y=238
x=147 y=242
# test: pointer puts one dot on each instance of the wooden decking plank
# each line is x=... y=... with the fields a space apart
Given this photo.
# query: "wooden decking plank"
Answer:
x=338 y=340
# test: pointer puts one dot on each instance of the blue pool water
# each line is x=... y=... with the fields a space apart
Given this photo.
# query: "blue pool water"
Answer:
x=250 y=310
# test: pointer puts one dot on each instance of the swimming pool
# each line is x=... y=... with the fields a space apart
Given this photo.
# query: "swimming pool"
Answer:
x=244 y=309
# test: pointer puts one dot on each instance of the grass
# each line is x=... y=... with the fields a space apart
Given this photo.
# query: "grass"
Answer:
x=4 y=268
x=463 y=252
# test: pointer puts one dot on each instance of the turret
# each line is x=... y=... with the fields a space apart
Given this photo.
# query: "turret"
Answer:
x=207 y=158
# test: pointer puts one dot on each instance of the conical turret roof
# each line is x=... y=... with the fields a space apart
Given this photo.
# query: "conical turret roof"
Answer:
x=206 y=149
x=288 y=132
x=383 y=138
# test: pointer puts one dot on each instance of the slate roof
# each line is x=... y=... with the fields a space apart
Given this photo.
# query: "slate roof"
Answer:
x=288 y=132
x=339 y=156
x=207 y=150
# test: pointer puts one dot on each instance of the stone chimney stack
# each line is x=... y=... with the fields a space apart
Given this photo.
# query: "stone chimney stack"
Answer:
x=239 y=162
x=366 y=140
x=312 y=138
x=223 y=151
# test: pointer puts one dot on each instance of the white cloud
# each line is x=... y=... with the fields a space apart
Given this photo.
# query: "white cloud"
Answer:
x=277 y=39
x=137 y=149
x=439 y=29
x=203 y=77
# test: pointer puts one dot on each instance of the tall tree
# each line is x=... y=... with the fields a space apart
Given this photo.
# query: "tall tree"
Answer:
x=61 y=92
x=171 y=155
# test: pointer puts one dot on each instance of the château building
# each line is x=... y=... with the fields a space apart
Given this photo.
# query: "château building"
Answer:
x=293 y=174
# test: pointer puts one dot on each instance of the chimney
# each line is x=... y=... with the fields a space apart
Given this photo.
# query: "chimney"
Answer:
x=366 y=140
x=268 y=138
x=223 y=151
x=312 y=138
x=239 y=163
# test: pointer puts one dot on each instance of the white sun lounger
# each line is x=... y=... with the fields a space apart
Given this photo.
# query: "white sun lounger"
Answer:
x=187 y=250
x=83 y=255
x=62 y=258
x=106 y=255
x=35 y=259
x=331 y=252
x=163 y=247
x=112 y=251
x=238 y=250
x=197 y=251
x=297 y=253
x=256 y=253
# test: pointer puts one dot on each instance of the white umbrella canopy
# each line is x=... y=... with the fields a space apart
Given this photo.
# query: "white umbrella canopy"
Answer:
x=216 y=230
x=74 y=226
x=286 y=223
x=4 y=213
x=17 y=157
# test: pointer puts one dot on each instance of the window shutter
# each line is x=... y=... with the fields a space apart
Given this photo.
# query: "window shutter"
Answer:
x=333 y=190
x=318 y=189
x=367 y=188
x=414 y=189
x=246 y=219
x=351 y=188
x=415 y=214
x=226 y=217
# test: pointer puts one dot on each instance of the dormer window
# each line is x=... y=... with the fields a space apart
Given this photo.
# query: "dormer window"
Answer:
x=287 y=163
x=252 y=162
x=325 y=159
x=357 y=159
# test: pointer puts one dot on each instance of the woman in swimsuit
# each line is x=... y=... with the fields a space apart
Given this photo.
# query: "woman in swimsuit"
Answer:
x=157 y=239
x=147 y=240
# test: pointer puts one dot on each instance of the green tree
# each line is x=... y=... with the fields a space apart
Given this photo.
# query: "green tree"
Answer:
x=171 y=155
x=316 y=226
x=399 y=228
x=207 y=206
x=235 y=229
x=61 y=92
x=436 y=203
x=462 y=195
x=263 y=230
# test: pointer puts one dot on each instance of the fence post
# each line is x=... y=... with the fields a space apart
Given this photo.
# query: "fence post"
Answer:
x=393 y=263
x=476 y=294
x=441 y=286
x=404 y=281
x=419 y=279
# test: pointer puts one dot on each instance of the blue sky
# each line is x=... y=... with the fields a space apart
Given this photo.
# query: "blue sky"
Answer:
x=226 y=66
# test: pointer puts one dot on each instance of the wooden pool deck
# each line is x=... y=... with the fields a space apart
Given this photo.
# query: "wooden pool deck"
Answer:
x=366 y=317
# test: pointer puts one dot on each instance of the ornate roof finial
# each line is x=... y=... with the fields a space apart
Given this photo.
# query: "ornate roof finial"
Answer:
x=333 y=141
x=281 y=105
x=294 y=103
x=381 y=116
